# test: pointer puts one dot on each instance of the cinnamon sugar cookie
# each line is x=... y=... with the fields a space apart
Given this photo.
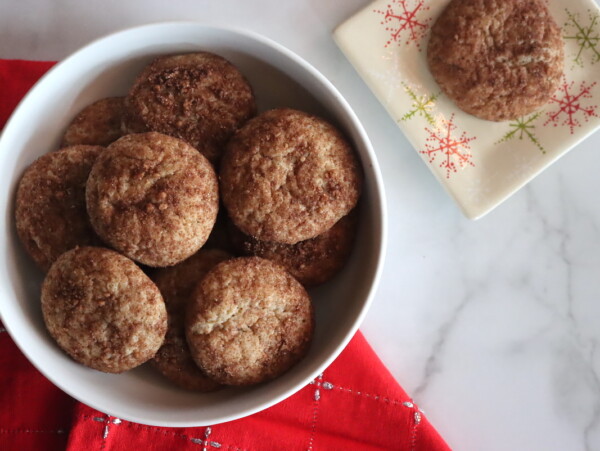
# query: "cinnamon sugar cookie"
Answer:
x=287 y=176
x=199 y=97
x=496 y=59
x=249 y=321
x=312 y=261
x=97 y=124
x=103 y=310
x=152 y=197
x=50 y=204
x=176 y=284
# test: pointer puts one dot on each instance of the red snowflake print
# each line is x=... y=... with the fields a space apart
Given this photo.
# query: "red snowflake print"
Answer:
x=454 y=152
x=399 y=17
x=570 y=107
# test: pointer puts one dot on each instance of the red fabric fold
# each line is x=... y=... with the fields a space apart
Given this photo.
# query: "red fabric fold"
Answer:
x=354 y=405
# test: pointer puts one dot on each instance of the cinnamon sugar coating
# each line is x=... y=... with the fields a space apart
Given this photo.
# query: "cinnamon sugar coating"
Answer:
x=103 y=310
x=97 y=124
x=496 y=59
x=199 y=97
x=288 y=176
x=50 y=210
x=152 y=197
x=176 y=284
x=313 y=261
x=249 y=321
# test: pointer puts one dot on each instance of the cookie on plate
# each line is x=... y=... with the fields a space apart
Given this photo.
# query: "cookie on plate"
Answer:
x=152 y=197
x=249 y=321
x=103 y=310
x=176 y=285
x=497 y=60
x=199 y=97
x=288 y=176
x=97 y=124
x=313 y=261
x=50 y=204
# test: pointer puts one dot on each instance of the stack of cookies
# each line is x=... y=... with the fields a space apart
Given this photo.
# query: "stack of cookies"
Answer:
x=175 y=225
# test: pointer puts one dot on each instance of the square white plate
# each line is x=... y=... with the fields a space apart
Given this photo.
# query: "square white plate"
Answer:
x=479 y=163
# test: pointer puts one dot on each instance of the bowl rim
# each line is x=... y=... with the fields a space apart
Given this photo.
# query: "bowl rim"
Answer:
x=377 y=180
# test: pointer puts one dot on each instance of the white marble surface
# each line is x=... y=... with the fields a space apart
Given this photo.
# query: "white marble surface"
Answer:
x=492 y=326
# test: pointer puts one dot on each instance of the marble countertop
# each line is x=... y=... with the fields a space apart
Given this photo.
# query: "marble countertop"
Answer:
x=492 y=326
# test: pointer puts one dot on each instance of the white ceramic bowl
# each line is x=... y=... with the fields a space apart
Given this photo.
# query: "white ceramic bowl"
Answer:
x=107 y=67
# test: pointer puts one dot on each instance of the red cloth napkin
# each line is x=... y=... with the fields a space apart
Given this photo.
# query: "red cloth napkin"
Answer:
x=354 y=405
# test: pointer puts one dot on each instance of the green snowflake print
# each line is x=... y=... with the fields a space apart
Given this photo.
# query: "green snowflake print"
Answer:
x=587 y=37
x=523 y=128
x=421 y=105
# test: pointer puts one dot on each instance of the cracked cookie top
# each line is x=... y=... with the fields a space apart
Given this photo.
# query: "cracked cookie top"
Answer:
x=103 y=310
x=199 y=97
x=152 y=197
x=288 y=176
x=496 y=59
x=248 y=321
x=177 y=284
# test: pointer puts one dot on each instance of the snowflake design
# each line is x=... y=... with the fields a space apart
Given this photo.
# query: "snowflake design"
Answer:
x=570 y=105
x=523 y=128
x=455 y=151
x=421 y=106
x=320 y=384
x=206 y=442
x=107 y=422
x=587 y=37
x=399 y=17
